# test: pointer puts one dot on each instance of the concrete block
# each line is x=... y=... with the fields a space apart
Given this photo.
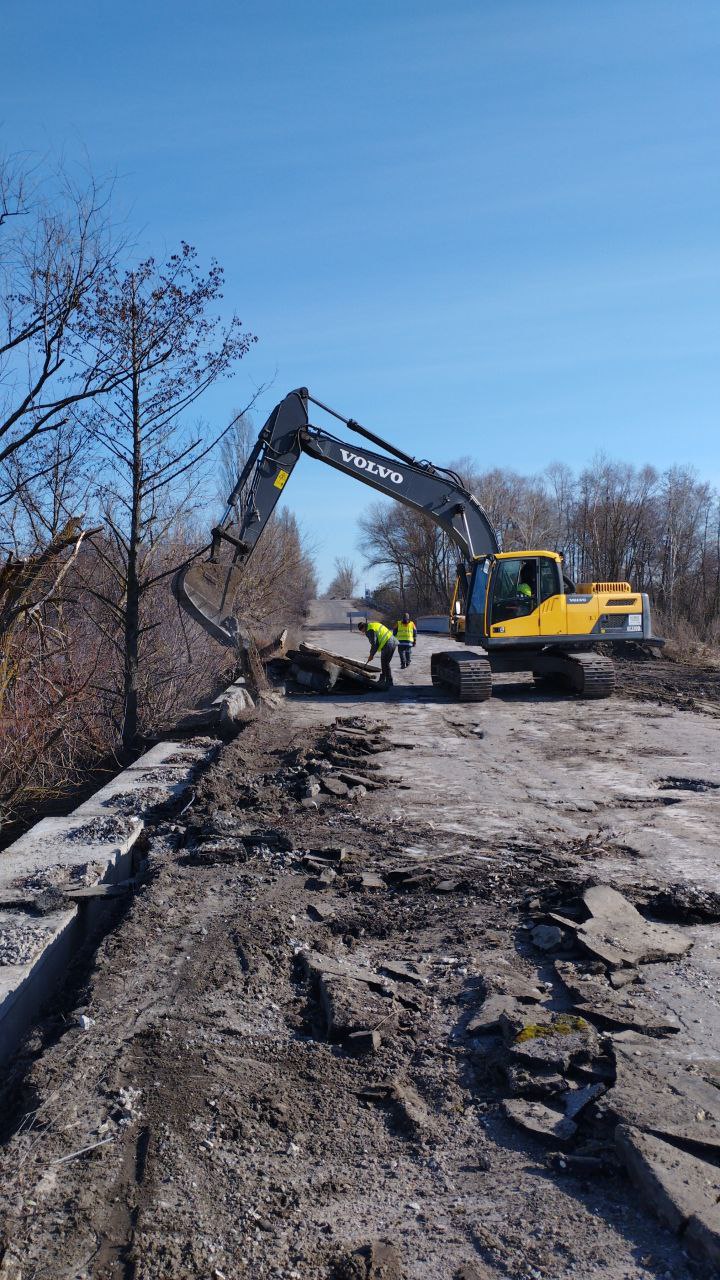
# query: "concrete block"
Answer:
x=158 y=777
x=234 y=703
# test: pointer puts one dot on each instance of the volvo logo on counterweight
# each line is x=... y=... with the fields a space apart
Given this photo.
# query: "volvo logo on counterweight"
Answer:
x=372 y=468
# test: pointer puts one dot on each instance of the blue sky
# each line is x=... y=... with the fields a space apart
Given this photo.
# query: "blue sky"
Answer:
x=485 y=227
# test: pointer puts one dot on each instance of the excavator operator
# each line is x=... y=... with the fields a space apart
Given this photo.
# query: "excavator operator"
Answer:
x=382 y=641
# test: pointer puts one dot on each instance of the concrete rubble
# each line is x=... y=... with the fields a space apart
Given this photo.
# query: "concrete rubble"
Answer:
x=604 y=1068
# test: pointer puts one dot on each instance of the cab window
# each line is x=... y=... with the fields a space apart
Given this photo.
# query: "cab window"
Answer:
x=549 y=578
x=515 y=589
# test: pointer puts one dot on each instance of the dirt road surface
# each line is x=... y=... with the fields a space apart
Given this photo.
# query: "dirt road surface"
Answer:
x=216 y=1118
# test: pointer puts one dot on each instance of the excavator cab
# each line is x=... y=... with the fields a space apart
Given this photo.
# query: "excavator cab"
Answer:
x=527 y=615
x=522 y=597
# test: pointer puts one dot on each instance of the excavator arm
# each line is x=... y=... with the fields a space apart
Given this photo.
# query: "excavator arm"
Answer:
x=206 y=589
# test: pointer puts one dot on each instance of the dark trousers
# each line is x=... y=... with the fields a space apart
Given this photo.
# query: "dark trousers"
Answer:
x=386 y=656
x=405 y=649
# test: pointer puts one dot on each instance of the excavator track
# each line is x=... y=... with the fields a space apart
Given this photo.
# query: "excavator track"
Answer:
x=598 y=675
x=587 y=675
x=467 y=675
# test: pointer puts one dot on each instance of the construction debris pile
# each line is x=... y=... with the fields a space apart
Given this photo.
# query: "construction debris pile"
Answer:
x=318 y=671
x=367 y=1039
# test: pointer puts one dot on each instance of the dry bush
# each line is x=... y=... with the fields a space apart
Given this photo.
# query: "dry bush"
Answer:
x=52 y=724
x=684 y=642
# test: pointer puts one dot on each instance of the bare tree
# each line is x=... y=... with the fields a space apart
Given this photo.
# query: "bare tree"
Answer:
x=159 y=327
x=56 y=243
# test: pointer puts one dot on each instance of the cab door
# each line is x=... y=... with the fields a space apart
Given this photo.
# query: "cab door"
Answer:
x=553 y=602
x=512 y=608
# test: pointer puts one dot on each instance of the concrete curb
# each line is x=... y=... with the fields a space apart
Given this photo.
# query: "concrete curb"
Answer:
x=92 y=846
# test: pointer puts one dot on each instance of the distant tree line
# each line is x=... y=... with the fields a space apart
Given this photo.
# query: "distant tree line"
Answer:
x=660 y=530
x=344 y=582
x=108 y=482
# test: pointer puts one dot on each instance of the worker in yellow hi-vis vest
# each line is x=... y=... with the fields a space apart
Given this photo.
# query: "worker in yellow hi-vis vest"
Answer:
x=405 y=633
x=382 y=641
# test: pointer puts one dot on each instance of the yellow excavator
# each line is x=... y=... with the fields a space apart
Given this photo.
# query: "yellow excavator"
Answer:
x=518 y=608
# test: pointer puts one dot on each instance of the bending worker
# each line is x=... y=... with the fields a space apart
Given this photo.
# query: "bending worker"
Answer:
x=406 y=633
x=382 y=641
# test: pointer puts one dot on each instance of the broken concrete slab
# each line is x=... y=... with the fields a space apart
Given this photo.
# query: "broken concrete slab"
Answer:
x=630 y=1014
x=596 y=1000
x=621 y=937
x=619 y=978
x=317 y=884
x=378 y=1260
x=318 y=965
x=234 y=705
x=682 y=1190
x=499 y=980
x=403 y=971
x=526 y=1080
x=364 y=1041
x=556 y=1041
x=320 y=911
x=334 y=786
x=540 y=1120
x=405 y=1100
x=662 y=1094
x=496 y=1010
x=563 y=921
x=576 y=1100
x=360 y=780
x=159 y=779
x=92 y=849
x=368 y=880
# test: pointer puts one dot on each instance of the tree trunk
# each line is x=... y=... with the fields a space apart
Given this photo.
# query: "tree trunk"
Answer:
x=132 y=599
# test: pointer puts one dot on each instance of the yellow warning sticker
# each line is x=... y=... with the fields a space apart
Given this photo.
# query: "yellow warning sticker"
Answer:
x=280 y=479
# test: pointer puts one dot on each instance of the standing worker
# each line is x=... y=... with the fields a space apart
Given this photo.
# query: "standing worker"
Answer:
x=382 y=641
x=406 y=633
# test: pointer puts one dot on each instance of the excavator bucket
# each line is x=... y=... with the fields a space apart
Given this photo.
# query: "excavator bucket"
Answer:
x=206 y=590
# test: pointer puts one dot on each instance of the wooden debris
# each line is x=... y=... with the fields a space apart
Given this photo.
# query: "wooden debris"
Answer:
x=320 y=670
